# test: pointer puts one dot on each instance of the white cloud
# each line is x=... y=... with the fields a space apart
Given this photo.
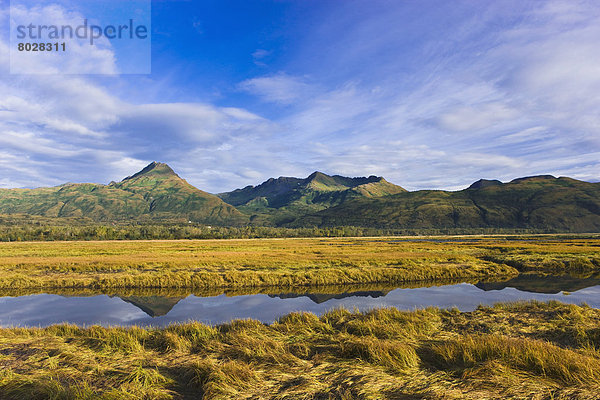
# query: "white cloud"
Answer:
x=523 y=102
x=552 y=65
x=279 y=88
x=187 y=122
x=70 y=128
x=260 y=54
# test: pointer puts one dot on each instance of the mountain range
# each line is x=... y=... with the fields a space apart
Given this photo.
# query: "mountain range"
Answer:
x=157 y=193
x=538 y=202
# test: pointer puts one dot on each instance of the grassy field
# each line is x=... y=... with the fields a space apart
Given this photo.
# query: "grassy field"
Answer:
x=286 y=262
x=521 y=351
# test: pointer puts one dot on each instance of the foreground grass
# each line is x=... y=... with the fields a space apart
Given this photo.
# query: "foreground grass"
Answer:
x=285 y=262
x=523 y=350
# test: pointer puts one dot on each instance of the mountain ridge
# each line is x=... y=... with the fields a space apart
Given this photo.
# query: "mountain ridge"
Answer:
x=539 y=202
x=157 y=194
x=278 y=200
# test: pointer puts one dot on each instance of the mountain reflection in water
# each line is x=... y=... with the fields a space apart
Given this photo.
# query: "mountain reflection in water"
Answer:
x=156 y=306
x=160 y=307
x=322 y=298
x=549 y=284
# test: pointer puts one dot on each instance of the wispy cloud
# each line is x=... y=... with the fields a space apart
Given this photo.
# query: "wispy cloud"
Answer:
x=278 y=88
x=260 y=55
x=501 y=90
x=514 y=100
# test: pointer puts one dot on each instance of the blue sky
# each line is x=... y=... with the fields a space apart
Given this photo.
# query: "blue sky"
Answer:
x=429 y=94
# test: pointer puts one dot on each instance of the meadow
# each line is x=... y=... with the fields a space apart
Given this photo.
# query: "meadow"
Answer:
x=523 y=350
x=509 y=351
x=291 y=262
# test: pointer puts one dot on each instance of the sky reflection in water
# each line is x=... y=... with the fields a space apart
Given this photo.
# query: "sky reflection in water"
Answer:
x=44 y=309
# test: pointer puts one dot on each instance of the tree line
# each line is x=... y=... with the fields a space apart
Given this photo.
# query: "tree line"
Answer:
x=43 y=232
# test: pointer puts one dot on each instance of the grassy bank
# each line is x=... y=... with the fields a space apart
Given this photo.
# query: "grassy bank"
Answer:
x=524 y=350
x=285 y=262
x=234 y=291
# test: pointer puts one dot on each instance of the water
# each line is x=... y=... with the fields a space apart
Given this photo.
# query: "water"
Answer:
x=159 y=308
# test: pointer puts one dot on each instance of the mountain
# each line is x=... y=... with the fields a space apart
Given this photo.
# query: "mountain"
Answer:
x=539 y=202
x=168 y=196
x=281 y=200
x=156 y=193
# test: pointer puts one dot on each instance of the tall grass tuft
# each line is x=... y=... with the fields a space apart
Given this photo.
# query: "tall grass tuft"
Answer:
x=540 y=357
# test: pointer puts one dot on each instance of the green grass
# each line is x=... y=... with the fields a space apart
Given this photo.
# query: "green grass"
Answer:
x=510 y=351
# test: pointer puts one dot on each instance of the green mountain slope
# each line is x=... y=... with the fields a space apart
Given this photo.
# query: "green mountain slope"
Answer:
x=541 y=202
x=281 y=200
x=155 y=193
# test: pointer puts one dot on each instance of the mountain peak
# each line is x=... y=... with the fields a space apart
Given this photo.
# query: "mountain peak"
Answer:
x=317 y=176
x=483 y=183
x=154 y=168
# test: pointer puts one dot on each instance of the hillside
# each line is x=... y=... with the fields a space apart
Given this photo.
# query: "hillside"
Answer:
x=157 y=194
x=540 y=202
x=281 y=200
x=154 y=194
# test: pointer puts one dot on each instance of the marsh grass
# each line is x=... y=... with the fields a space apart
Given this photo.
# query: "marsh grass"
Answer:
x=520 y=350
x=533 y=356
x=210 y=264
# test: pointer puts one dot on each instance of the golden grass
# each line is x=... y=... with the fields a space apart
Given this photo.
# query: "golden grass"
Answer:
x=285 y=262
x=510 y=351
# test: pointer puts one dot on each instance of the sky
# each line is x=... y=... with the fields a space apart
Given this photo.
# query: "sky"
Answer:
x=430 y=94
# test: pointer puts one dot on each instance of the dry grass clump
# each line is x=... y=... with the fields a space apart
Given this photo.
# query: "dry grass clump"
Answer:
x=533 y=356
x=522 y=350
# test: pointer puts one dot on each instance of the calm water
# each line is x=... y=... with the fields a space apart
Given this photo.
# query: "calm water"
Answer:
x=161 y=309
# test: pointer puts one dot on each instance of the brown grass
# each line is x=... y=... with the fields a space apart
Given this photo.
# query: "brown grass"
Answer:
x=285 y=262
x=509 y=351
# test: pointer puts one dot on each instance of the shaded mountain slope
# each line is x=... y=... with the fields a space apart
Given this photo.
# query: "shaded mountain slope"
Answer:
x=541 y=202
